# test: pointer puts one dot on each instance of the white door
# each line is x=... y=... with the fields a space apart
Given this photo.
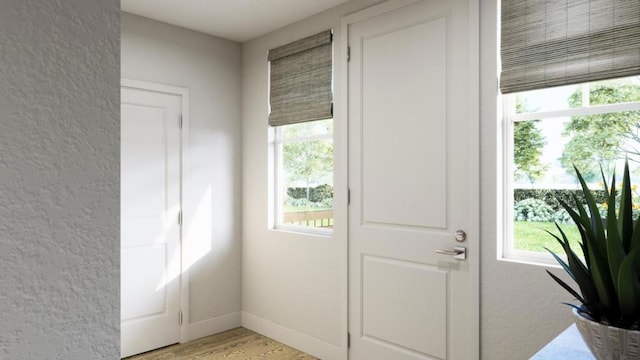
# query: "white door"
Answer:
x=150 y=233
x=413 y=179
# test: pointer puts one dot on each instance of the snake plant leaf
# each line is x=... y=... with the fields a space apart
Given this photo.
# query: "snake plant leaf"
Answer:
x=596 y=247
x=626 y=210
x=563 y=264
x=601 y=276
x=589 y=295
x=566 y=287
x=582 y=229
x=594 y=213
x=582 y=222
x=575 y=268
x=574 y=260
x=604 y=180
x=580 y=216
x=615 y=252
x=629 y=286
x=634 y=243
x=579 y=308
x=581 y=219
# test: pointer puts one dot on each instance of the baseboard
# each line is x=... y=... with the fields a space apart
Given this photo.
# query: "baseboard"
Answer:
x=213 y=326
x=293 y=338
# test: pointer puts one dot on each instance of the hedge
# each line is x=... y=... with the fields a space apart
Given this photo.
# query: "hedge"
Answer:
x=316 y=194
x=551 y=196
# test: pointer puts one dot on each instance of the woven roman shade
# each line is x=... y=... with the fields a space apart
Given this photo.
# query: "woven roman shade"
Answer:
x=558 y=42
x=300 y=84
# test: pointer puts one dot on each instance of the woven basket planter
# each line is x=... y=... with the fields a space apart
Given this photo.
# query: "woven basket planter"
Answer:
x=608 y=342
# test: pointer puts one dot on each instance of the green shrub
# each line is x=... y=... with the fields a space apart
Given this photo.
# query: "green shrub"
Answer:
x=321 y=192
x=303 y=204
x=326 y=203
x=553 y=197
x=533 y=210
x=316 y=194
x=562 y=217
x=297 y=192
x=298 y=203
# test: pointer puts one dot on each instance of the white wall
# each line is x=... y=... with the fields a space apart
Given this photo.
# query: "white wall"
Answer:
x=210 y=68
x=59 y=179
x=521 y=306
x=294 y=285
x=59 y=189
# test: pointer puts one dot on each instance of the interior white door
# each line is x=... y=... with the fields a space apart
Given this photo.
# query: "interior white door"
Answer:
x=413 y=180
x=150 y=233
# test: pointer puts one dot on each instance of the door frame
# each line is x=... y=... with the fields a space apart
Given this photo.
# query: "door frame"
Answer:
x=473 y=257
x=183 y=94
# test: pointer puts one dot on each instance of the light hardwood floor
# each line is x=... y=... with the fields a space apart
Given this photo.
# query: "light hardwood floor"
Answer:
x=236 y=344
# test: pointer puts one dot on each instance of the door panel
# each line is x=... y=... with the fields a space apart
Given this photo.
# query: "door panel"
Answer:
x=404 y=304
x=150 y=234
x=410 y=178
x=413 y=75
x=138 y=290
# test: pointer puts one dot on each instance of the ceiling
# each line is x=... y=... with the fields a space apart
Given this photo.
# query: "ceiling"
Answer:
x=238 y=20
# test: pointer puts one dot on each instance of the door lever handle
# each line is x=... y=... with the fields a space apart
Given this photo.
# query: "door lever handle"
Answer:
x=458 y=252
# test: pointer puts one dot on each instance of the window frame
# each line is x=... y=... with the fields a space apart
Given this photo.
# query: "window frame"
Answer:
x=506 y=249
x=278 y=184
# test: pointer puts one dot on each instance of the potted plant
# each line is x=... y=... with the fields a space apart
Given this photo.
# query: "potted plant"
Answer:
x=607 y=271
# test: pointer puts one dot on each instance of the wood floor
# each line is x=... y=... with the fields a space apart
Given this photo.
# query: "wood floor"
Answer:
x=236 y=344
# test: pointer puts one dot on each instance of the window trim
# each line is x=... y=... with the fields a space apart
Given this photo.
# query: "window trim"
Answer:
x=506 y=250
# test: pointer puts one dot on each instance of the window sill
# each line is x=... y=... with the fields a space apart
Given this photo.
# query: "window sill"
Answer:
x=530 y=258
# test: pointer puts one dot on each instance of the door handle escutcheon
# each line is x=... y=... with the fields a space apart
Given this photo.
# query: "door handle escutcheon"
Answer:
x=458 y=252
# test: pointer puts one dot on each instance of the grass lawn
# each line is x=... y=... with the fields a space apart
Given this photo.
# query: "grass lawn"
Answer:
x=531 y=236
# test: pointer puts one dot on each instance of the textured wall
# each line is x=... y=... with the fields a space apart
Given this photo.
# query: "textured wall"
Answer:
x=210 y=68
x=59 y=179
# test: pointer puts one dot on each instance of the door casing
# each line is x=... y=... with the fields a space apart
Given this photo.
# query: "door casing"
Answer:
x=183 y=94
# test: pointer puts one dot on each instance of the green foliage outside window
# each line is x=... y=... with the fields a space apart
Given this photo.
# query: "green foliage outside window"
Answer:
x=593 y=142
x=601 y=139
x=528 y=143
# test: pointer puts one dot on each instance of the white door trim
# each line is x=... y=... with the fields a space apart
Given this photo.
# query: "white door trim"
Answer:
x=474 y=166
x=473 y=257
x=183 y=93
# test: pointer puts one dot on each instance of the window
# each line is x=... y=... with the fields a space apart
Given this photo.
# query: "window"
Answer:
x=589 y=125
x=301 y=112
x=304 y=175
x=558 y=62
